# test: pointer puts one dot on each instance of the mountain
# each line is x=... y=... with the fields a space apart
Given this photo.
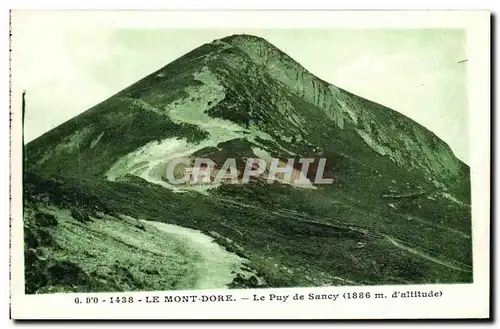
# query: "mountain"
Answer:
x=398 y=210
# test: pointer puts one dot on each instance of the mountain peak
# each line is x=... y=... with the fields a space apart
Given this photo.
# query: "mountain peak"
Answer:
x=244 y=36
x=396 y=208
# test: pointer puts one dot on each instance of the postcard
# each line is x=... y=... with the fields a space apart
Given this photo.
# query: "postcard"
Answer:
x=250 y=164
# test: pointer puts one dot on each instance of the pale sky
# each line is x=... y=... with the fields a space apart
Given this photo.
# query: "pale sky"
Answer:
x=65 y=71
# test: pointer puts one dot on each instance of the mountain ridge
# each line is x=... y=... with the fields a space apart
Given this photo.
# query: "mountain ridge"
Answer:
x=397 y=188
x=339 y=114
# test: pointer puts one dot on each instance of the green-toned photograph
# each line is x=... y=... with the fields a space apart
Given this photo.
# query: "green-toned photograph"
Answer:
x=164 y=159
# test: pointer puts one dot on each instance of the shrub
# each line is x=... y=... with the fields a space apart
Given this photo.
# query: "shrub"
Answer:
x=44 y=219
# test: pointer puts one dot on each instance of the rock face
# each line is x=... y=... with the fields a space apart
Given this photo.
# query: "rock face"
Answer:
x=398 y=210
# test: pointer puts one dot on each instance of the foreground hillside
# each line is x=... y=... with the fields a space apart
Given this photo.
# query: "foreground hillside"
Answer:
x=398 y=210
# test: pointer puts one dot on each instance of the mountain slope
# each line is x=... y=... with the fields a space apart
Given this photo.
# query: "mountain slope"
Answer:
x=398 y=209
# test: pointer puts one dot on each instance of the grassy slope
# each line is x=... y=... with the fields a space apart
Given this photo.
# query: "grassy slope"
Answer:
x=287 y=246
x=347 y=232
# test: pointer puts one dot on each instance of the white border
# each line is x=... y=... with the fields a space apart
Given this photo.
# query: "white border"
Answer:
x=458 y=301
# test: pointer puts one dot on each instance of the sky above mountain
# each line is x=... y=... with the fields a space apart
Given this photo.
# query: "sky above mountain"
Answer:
x=416 y=72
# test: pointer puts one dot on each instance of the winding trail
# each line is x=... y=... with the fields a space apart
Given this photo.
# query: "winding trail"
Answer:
x=394 y=241
x=425 y=256
x=213 y=266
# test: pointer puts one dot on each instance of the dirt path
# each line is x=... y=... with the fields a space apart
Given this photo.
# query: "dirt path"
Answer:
x=426 y=256
x=213 y=266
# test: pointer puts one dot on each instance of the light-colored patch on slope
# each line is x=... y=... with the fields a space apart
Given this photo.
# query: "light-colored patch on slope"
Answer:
x=380 y=148
x=451 y=198
x=149 y=161
x=69 y=144
x=262 y=154
x=200 y=99
x=193 y=110
x=95 y=141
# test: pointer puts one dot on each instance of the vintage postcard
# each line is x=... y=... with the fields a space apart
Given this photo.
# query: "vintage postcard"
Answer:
x=250 y=164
